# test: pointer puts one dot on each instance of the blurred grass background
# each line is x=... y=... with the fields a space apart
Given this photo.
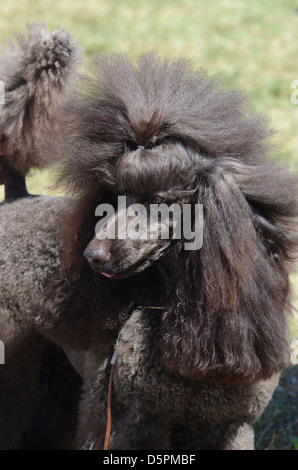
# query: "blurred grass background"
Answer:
x=253 y=44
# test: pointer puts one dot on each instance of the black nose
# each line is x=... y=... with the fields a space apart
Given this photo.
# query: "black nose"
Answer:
x=97 y=256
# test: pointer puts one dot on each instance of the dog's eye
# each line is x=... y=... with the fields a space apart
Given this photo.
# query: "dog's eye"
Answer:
x=155 y=199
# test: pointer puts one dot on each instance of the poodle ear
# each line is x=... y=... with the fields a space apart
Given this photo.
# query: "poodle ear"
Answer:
x=227 y=321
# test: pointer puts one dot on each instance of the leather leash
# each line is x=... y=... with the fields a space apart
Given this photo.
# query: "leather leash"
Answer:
x=110 y=392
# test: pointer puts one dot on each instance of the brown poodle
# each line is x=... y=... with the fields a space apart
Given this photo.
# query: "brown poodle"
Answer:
x=202 y=334
x=36 y=408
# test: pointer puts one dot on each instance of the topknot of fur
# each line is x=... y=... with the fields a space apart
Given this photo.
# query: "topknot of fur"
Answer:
x=36 y=72
x=41 y=55
x=51 y=58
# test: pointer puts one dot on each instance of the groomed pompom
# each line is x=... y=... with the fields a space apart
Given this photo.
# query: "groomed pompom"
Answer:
x=36 y=72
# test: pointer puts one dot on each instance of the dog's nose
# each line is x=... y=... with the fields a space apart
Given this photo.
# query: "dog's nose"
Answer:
x=97 y=256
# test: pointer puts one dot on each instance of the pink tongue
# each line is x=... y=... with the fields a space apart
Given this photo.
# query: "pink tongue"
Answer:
x=108 y=275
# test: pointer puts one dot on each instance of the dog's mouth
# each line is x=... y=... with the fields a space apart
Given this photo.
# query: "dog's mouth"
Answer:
x=107 y=274
x=131 y=271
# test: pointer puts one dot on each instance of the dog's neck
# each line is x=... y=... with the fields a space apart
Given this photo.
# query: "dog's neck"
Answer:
x=154 y=286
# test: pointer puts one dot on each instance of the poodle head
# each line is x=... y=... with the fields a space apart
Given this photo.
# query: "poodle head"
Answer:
x=150 y=216
x=161 y=132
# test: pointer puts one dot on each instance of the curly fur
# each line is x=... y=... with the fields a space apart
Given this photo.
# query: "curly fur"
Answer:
x=39 y=389
x=197 y=375
x=37 y=73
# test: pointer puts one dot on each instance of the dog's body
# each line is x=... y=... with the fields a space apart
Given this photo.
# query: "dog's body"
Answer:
x=202 y=334
x=36 y=403
x=36 y=74
x=153 y=407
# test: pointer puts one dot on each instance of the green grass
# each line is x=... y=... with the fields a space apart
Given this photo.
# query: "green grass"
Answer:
x=278 y=427
x=253 y=44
